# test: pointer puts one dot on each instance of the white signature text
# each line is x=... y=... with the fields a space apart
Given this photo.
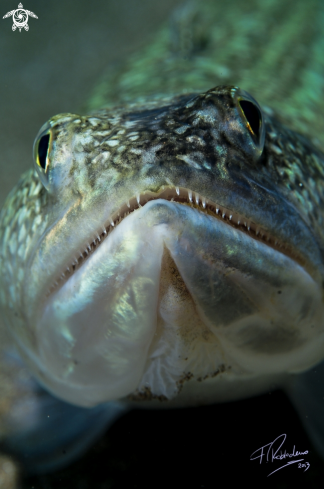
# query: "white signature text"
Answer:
x=271 y=454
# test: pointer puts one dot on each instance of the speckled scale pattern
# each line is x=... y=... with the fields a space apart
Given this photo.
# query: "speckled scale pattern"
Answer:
x=149 y=136
x=20 y=219
x=297 y=168
x=175 y=128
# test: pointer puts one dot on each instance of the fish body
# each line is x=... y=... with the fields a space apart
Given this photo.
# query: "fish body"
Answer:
x=166 y=251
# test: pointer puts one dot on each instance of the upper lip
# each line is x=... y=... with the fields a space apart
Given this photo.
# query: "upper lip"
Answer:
x=188 y=197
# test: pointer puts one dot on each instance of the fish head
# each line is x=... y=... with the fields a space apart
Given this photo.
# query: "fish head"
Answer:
x=171 y=250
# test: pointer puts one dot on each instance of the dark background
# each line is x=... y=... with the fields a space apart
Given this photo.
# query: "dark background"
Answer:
x=51 y=69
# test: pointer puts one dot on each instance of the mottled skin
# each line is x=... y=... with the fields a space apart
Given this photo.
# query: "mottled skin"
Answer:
x=96 y=164
x=198 y=141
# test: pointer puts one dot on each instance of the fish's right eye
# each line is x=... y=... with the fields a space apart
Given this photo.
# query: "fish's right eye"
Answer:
x=43 y=146
x=41 y=150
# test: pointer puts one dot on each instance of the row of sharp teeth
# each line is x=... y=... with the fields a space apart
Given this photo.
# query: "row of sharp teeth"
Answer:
x=173 y=194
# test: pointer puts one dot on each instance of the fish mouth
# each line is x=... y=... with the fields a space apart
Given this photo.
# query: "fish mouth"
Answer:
x=182 y=196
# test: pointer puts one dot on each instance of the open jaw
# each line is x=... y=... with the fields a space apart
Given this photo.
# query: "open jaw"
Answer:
x=183 y=196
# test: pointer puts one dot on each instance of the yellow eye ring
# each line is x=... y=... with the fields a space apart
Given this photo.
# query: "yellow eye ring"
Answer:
x=41 y=151
x=253 y=117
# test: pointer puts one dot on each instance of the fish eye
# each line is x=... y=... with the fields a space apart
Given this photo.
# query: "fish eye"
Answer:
x=43 y=146
x=41 y=151
x=253 y=119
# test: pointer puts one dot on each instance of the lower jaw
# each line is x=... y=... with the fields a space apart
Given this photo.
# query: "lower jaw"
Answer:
x=228 y=275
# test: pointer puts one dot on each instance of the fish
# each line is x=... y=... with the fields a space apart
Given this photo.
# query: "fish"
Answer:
x=165 y=251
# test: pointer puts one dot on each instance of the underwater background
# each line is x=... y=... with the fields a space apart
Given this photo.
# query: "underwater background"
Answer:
x=55 y=67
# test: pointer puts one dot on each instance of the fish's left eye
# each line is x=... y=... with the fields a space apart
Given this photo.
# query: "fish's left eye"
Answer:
x=253 y=117
x=41 y=151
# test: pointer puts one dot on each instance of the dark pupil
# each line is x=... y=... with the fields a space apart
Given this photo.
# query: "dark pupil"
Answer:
x=253 y=116
x=42 y=150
